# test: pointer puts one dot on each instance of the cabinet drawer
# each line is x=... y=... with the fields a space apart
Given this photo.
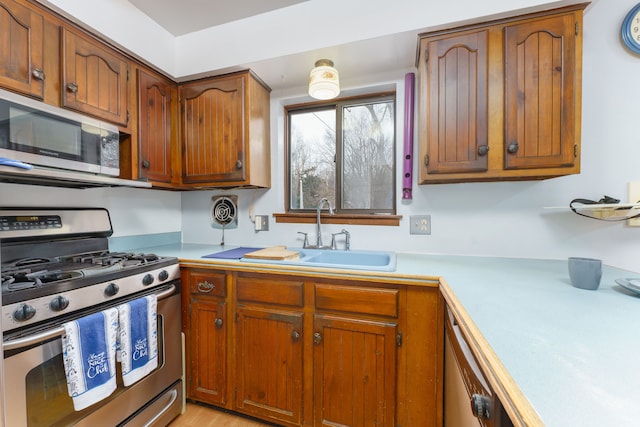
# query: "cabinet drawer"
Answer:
x=270 y=291
x=207 y=283
x=356 y=299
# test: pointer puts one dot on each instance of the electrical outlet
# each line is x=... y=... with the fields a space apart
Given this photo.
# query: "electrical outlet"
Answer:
x=262 y=222
x=634 y=197
x=420 y=224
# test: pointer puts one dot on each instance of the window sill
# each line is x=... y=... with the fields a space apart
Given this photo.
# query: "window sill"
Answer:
x=310 y=218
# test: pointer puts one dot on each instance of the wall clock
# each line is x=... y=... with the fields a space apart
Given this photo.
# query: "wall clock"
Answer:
x=631 y=29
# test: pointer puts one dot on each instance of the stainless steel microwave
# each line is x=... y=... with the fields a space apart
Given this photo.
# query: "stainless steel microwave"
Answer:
x=42 y=135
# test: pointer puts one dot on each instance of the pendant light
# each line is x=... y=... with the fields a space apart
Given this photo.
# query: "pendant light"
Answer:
x=324 y=82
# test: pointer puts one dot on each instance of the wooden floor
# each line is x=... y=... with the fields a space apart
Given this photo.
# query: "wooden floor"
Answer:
x=203 y=416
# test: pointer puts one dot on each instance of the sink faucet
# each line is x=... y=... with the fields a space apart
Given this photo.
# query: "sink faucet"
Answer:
x=347 y=240
x=322 y=201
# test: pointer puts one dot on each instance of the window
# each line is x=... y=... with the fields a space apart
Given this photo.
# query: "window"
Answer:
x=345 y=151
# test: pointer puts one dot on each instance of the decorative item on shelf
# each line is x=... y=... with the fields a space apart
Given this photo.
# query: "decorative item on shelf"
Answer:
x=605 y=209
x=630 y=30
x=324 y=81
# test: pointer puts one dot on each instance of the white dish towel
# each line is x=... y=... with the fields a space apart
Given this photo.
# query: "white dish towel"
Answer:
x=138 y=338
x=89 y=355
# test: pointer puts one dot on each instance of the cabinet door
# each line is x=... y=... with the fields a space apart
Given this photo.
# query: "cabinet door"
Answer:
x=21 y=49
x=354 y=372
x=208 y=350
x=457 y=111
x=213 y=130
x=154 y=127
x=540 y=99
x=94 y=79
x=269 y=364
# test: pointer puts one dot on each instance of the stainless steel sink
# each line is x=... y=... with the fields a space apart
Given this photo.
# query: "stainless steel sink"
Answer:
x=347 y=260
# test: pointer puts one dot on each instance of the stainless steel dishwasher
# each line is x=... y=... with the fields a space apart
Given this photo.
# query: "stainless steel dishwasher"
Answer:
x=469 y=399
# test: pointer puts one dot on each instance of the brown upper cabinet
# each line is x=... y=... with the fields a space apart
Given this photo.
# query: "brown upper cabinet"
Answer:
x=156 y=97
x=501 y=100
x=207 y=133
x=21 y=49
x=94 y=78
x=224 y=125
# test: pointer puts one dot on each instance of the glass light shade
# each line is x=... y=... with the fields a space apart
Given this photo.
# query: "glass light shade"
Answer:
x=324 y=82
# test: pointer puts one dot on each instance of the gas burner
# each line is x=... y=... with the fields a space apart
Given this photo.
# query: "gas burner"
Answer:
x=25 y=279
x=125 y=259
x=30 y=261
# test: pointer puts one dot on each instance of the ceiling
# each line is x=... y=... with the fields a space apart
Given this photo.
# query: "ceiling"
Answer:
x=189 y=16
x=186 y=16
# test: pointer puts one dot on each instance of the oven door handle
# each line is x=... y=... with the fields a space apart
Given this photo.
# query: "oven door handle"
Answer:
x=172 y=398
x=60 y=331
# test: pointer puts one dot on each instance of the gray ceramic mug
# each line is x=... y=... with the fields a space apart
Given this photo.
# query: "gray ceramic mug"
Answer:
x=585 y=273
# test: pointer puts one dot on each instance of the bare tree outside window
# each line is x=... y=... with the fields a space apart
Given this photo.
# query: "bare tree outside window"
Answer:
x=344 y=151
x=368 y=156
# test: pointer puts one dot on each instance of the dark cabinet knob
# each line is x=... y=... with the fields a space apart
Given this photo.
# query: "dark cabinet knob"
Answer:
x=513 y=148
x=218 y=322
x=72 y=87
x=295 y=335
x=238 y=164
x=317 y=338
x=37 y=74
x=146 y=164
x=483 y=150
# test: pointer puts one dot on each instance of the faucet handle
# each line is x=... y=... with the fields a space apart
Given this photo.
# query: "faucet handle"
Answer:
x=347 y=239
x=306 y=239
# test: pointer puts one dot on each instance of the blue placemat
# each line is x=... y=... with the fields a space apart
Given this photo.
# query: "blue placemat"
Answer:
x=236 y=253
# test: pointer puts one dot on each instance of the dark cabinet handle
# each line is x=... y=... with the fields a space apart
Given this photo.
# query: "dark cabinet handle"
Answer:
x=37 y=74
x=218 y=322
x=72 y=87
x=295 y=335
x=238 y=164
x=483 y=150
x=513 y=148
x=146 y=164
x=205 y=287
x=317 y=338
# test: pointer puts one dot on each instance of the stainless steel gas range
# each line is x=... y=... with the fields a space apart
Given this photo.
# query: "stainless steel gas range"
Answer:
x=57 y=268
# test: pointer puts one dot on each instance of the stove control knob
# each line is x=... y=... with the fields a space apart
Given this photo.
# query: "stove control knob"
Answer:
x=24 y=313
x=147 y=279
x=59 y=303
x=111 y=290
x=163 y=275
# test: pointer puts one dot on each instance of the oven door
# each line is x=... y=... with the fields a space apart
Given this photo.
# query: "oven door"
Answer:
x=38 y=396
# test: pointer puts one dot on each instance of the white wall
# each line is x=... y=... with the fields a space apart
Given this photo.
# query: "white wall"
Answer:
x=133 y=211
x=499 y=219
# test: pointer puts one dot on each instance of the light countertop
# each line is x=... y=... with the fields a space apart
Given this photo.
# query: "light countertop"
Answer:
x=570 y=352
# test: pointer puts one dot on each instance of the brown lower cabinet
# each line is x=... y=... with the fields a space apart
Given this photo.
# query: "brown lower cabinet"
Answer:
x=314 y=351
